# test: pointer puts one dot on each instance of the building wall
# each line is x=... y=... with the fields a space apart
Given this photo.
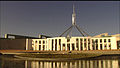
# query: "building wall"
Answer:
x=75 y=43
x=12 y=44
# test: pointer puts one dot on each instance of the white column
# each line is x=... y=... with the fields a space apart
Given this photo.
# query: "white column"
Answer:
x=42 y=45
x=58 y=45
x=75 y=44
x=87 y=43
x=50 y=45
x=66 y=46
x=37 y=44
x=54 y=45
x=103 y=44
x=26 y=44
x=91 y=48
x=107 y=44
x=98 y=44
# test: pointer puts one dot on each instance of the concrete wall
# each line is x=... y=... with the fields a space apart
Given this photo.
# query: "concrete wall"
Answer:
x=12 y=44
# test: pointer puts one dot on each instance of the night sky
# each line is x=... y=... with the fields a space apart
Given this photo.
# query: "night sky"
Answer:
x=32 y=18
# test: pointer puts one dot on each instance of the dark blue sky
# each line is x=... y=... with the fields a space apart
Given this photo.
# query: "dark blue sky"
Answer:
x=32 y=18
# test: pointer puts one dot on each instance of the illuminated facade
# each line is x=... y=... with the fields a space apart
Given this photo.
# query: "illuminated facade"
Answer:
x=74 y=43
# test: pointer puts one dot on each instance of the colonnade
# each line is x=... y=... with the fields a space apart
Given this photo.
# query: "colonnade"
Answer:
x=75 y=43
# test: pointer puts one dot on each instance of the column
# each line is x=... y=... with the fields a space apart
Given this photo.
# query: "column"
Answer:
x=79 y=45
x=50 y=45
x=58 y=45
x=45 y=45
x=54 y=45
x=91 y=48
x=103 y=44
x=98 y=44
x=42 y=45
x=107 y=44
x=75 y=44
x=37 y=44
x=87 y=43
x=26 y=44
x=66 y=46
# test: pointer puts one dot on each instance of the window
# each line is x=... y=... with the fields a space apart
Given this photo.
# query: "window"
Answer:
x=43 y=47
x=104 y=40
x=96 y=46
x=77 y=39
x=77 y=43
x=43 y=42
x=35 y=41
x=80 y=39
x=110 y=46
x=109 y=40
x=100 y=40
x=84 y=39
x=39 y=47
x=105 y=46
x=68 y=40
x=73 y=48
x=88 y=41
x=60 y=43
x=39 y=42
x=63 y=45
x=96 y=41
x=100 y=46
